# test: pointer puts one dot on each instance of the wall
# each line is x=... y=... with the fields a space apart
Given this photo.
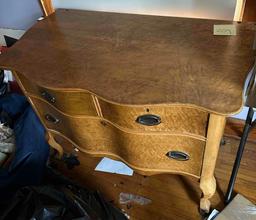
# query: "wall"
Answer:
x=215 y=9
x=19 y=14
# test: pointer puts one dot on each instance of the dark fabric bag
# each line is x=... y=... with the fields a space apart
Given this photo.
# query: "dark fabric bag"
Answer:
x=48 y=202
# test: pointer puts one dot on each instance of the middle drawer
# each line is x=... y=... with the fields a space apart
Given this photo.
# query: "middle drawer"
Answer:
x=175 y=119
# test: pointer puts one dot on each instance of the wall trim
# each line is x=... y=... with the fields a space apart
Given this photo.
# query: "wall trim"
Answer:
x=239 y=10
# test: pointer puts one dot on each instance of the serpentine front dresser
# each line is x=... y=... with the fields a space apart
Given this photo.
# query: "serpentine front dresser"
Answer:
x=151 y=91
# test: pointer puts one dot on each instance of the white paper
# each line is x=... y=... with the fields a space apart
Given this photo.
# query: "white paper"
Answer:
x=8 y=76
x=113 y=166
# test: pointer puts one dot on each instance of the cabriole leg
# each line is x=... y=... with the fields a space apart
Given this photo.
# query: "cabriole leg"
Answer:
x=207 y=181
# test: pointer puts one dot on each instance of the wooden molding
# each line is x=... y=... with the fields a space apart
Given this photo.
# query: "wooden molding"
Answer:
x=239 y=10
x=47 y=7
x=234 y=128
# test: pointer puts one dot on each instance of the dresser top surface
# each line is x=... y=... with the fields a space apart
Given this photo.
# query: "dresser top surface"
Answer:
x=137 y=59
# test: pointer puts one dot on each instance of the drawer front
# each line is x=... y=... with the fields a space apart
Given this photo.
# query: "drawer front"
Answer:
x=146 y=153
x=70 y=102
x=175 y=119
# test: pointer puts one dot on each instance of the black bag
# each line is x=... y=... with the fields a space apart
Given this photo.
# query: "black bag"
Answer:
x=62 y=201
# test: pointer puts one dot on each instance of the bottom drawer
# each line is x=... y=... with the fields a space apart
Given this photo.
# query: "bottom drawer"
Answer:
x=147 y=155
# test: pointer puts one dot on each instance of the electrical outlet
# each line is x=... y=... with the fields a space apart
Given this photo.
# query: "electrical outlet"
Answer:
x=224 y=29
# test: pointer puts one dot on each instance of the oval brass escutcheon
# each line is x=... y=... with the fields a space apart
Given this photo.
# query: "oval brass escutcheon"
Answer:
x=178 y=155
x=149 y=120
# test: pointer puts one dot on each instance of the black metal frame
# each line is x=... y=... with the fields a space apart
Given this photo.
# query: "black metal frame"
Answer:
x=249 y=124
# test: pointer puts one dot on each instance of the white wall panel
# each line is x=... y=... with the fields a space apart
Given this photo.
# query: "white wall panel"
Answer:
x=213 y=9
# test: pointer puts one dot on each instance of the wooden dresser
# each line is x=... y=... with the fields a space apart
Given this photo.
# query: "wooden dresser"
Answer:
x=151 y=91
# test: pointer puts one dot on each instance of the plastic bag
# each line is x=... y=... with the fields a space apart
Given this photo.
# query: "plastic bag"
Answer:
x=62 y=201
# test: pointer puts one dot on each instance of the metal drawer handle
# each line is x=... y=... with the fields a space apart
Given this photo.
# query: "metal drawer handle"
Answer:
x=178 y=155
x=52 y=119
x=149 y=120
x=48 y=97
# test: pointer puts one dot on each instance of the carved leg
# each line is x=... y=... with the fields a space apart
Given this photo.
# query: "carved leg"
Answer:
x=207 y=181
x=208 y=188
x=54 y=144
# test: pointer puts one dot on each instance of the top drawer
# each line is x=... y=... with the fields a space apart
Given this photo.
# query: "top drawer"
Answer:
x=70 y=102
x=174 y=119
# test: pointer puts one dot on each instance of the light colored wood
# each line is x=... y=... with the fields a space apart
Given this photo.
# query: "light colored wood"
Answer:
x=152 y=161
x=97 y=105
x=71 y=102
x=207 y=181
x=178 y=119
x=137 y=59
x=146 y=155
x=47 y=7
x=144 y=152
x=54 y=144
x=44 y=108
x=239 y=10
x=174 y=118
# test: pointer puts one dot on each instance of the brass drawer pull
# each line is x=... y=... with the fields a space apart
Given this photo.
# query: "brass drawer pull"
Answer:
x=48 y=97
x=178 y=155
x=149 y=120
x=52 y=119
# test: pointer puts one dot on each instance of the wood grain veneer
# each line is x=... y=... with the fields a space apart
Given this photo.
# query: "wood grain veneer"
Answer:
x=151 y=161
x=145 y=152
x=45 y=108
x=137 y=59
x=176 y=119
x=71 y=102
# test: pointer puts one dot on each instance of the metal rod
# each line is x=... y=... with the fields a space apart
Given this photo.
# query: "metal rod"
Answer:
x=253 y=124
x=239 y=154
